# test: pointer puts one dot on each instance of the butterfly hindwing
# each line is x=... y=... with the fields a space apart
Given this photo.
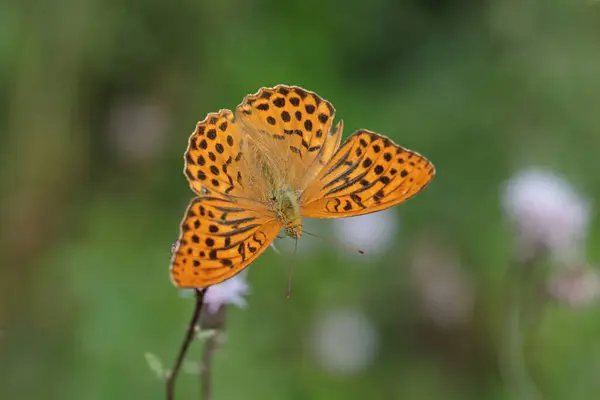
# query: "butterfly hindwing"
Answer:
x=218 y=239
x=368 y=173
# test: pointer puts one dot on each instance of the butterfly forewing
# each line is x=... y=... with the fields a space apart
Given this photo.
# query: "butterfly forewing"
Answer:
x=368 y=173
x=213 y=160
x=218 y=239
x=292 y=128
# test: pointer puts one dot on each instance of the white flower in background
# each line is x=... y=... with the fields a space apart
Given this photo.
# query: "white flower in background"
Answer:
x=231 y=291
x=373 y=233
x=547 y=212
x=443 y=288
x=344 y=341
x=575 y=286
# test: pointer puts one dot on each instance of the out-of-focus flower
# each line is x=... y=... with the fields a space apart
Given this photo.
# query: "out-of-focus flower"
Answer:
x=373 y=233
x=344 y=341
x=231 y=291
x=444 y=290
x=547 y=212
x=575 y=286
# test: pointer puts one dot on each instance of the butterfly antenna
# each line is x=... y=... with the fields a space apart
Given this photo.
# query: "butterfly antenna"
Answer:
x=338 y=243
x=289 y=289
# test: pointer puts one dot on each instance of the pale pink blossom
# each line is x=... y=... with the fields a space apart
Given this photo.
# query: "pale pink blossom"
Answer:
x=547 y=212
x=575 y=286
x=373 y=233
x=231 y=291
x=344 y=341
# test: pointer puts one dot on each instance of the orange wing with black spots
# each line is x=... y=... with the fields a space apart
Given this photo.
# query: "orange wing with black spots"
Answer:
x=368 y=173
x=248 y=167
x=218 y=239
x=213 y=158
x=294 y=126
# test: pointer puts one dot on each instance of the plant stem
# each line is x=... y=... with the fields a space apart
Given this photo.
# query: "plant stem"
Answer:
x=512 y=362
x=189 y=337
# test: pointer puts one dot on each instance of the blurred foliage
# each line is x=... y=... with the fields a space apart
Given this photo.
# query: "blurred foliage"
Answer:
x=480 y=88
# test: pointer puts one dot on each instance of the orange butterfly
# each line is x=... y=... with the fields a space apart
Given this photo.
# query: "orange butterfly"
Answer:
x=274 y=161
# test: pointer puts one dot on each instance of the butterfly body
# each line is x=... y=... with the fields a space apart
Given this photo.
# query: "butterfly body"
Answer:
x=274 y=160
x=287 y=210
x=271 y=183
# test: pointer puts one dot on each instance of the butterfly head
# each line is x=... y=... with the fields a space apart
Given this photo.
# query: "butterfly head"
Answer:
x=294 y=230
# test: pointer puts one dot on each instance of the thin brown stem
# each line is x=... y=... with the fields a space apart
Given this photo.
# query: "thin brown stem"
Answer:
x=189 y=337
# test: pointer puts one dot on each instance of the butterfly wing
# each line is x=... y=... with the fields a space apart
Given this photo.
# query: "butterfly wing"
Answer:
x=213 y=159
x=218 y=239
x=368 y=173
x=291 y=129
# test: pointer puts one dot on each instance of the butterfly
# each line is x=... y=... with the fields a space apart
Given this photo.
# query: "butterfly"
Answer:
x=275 y=159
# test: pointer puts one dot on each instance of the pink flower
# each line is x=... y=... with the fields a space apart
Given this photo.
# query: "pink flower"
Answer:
x=547 y=212
x=231 y=291
x=575 y=286
x=344 y=341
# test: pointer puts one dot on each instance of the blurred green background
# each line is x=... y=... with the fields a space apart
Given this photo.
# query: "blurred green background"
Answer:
x=98 y=99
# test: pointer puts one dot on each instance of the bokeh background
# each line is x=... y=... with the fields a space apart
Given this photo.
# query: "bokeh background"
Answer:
x=97 y=100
